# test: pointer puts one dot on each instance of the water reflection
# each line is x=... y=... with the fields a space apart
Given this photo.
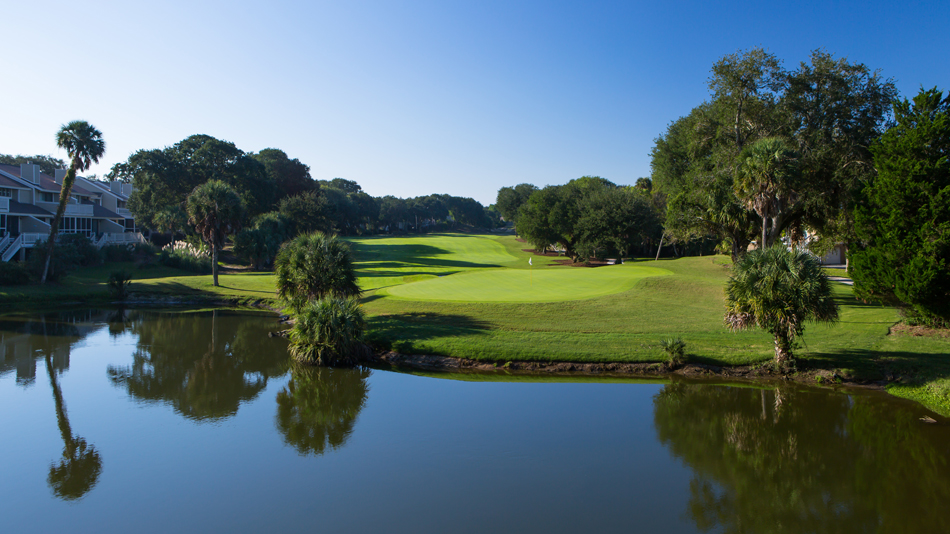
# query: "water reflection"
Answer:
x=319 y=406
x=203 y=364
x=24 y=340
x=78 y=470
x=787 y=460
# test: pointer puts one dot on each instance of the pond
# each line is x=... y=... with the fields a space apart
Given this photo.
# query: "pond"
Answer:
x=152 y=421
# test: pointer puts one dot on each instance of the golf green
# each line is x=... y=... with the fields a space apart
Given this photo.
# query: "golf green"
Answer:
x=523 y=285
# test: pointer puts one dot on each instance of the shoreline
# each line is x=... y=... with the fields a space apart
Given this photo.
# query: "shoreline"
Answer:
x=746 y=373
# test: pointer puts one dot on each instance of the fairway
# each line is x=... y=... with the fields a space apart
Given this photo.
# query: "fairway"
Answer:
x=522 y=285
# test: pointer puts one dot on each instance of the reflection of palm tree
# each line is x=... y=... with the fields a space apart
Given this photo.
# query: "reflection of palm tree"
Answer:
x=319 y=407
x=79 y=469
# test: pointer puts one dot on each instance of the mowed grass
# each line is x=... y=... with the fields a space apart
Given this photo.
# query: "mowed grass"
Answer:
x=510 y=285
x=475 y=296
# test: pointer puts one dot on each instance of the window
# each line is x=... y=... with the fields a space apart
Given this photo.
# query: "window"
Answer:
x=4 y=192
x=46 y=197
x=76 y=225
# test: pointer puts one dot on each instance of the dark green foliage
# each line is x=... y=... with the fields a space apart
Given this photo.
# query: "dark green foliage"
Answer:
x=13 y=274
x=260 y=243
x=902 y=256
x=778 y=290
x=313 y=266
x=119 y=284
x=305 y=212
x=164 y=178
x=216 y=211
x=48 y=164
x=290 y=176
x=589 y=217
x=329 y=331
x=72 y=252
x=827 y=110
x=510 y=200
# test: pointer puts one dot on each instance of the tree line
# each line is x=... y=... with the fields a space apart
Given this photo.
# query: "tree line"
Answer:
x=813 y=156
x=280 y=198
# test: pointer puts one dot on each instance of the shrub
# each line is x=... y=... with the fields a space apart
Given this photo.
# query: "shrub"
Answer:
x=329 y=331
x=185 y=256
x=675 y=349
x=119 y=284
x=71 y=252
x=313 y=266
x=13 y=274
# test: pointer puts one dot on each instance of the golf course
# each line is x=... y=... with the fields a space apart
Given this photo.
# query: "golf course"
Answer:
x=478 y=297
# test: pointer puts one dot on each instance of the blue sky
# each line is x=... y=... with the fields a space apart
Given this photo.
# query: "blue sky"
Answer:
x=411 y=98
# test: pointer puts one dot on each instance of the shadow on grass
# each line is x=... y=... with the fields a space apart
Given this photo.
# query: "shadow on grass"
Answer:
x=363 y=273
x=878 y=365
x=379 y=255
x=402 y=332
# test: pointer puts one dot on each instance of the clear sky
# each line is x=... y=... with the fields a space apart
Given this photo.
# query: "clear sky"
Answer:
x=414 y=97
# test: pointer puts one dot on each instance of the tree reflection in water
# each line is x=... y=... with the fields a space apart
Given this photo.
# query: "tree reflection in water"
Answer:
x=790 y=460
x=319 y=407
x=79 y=469
x=203 y=364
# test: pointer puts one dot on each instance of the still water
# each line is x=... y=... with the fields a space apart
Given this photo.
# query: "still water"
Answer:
x=146 y=421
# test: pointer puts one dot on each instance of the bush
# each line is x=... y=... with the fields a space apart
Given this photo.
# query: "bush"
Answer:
x=119 y=284
x=675 y=349
x=313 y=266
x=71 y=252
x=329 y=331
x=13 y=274
x=187 y=257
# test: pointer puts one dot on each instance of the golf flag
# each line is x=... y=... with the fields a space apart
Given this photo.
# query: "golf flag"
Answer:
x=529 y=261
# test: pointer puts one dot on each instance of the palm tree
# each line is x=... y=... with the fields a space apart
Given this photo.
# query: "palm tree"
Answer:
x=765 y=181
x=329 y=331
x=778 y=290
x=84 y=144
x=216 y=211
x=312 y=266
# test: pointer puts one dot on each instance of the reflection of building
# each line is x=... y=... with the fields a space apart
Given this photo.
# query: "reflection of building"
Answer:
x=24 y=341
x=28 y=203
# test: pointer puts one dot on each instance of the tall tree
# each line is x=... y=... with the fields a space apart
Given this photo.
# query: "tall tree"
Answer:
x=216 y=211
x=290 y=176
x=510 y=200
x=902 y=254
x=84 y=144
x=828 y=111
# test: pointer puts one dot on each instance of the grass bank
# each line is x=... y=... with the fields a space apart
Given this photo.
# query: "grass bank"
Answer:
x=477 y=297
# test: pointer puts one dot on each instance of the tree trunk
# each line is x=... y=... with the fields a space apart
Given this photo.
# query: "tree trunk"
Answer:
x=64 y=193
x=659 y=248
x=783 y=353
x=214 y=263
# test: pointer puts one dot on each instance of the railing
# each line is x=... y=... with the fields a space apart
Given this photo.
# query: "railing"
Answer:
x=13 y=248
x=124 y=212
x=4 y=204
x=125 y=238
x=4 y=243
x=73 y=210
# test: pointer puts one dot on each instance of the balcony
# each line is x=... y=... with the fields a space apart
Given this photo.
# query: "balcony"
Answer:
x=4 y=204
x=78 y=210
